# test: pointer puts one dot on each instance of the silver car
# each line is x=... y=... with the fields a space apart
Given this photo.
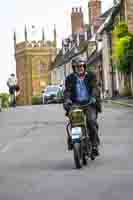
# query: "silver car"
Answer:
x=53 y=94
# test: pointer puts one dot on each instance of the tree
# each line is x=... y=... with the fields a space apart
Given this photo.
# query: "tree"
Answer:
x=123 y=50
x=124 y=53
x=121 y=30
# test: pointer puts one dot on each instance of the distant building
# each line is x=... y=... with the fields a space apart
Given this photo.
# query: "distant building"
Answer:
x=72 y=46
x=94 y=11
x=112 y=81
x=33 y=60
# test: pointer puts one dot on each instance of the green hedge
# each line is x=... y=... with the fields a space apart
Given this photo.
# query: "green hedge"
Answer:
x=5 y=100
x=36 y=100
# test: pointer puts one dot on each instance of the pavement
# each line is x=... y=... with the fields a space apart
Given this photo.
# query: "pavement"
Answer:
x=36 y=165
x=124 y=101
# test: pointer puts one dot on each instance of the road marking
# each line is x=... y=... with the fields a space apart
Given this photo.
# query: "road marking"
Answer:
x=5 y=148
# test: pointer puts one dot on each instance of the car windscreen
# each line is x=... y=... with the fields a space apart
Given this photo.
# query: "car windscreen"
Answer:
x=52 y=89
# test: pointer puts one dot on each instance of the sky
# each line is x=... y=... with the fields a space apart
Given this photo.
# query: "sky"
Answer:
x=14 y=14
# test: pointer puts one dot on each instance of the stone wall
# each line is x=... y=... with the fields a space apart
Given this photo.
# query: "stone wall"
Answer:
x=106 y=64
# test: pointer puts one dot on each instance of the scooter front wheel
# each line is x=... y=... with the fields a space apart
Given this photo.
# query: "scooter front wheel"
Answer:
x=77 y=155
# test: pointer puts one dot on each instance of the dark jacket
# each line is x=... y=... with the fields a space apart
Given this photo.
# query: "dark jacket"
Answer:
x=70 y=87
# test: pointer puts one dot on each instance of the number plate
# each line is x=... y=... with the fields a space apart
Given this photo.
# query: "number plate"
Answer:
x=76 y=133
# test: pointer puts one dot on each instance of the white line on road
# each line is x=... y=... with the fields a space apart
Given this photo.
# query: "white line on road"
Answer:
x=6 y=148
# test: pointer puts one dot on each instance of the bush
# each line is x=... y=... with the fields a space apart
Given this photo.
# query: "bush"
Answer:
x=5 y=100
x=121 y=30
x=36 y=100
x=123 y=47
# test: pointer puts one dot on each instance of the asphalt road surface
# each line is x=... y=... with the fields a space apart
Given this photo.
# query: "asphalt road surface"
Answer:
x=36 y=165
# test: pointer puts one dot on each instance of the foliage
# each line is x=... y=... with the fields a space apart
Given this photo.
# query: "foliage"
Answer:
x=5 y=99
x=122 y=48
x=124 y=53
x=36 y=100
x=121 y=30
x=90 y=67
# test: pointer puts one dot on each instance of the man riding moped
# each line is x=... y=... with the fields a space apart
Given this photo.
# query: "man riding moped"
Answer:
x=80 y=87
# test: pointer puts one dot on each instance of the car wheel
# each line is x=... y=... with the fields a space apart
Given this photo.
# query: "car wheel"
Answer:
x=45 y=101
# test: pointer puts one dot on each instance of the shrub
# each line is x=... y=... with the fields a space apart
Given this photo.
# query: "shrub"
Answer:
x=121 y=30
x=123 y=47
x=5 y=99
x=36 y=100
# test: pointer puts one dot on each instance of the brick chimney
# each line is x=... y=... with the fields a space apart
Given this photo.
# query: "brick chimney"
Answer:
x=77 y=21
x=94 y=10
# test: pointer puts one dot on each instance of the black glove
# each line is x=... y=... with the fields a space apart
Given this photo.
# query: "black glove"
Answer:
x=99 y=107
x=67 y=105
x=92 y=100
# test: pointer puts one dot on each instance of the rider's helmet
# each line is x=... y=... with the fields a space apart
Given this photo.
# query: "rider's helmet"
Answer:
x=77 y=62
x=74 y=64
x=82 y=62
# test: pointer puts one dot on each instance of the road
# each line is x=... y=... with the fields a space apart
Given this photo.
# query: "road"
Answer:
x=35 y=163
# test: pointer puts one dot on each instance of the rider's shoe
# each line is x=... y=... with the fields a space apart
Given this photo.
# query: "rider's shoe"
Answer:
x=95 y=151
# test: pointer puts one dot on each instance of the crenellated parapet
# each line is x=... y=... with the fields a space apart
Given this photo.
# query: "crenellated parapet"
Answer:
x=34 y=46
x=28 y=43
x=39 y=44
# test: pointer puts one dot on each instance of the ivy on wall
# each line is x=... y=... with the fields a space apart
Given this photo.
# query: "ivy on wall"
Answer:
x=122 y=48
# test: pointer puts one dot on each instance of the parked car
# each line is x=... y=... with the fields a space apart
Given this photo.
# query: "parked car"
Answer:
x=53 y=94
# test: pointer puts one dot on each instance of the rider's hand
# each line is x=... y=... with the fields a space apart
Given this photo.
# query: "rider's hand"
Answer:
x=93 y=100
x=67 y=105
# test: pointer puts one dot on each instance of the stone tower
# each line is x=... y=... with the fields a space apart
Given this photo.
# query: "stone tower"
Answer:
x=94 y=9
x=77 y=21
x=33 y=60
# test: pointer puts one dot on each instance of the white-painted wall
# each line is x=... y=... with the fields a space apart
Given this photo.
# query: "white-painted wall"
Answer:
x=106 y=64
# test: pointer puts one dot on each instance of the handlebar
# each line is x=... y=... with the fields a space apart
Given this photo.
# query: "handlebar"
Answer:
x=81 y=106
x=71 y=105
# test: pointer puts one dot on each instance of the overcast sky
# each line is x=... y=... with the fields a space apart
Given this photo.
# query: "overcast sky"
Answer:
x=14 y=14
